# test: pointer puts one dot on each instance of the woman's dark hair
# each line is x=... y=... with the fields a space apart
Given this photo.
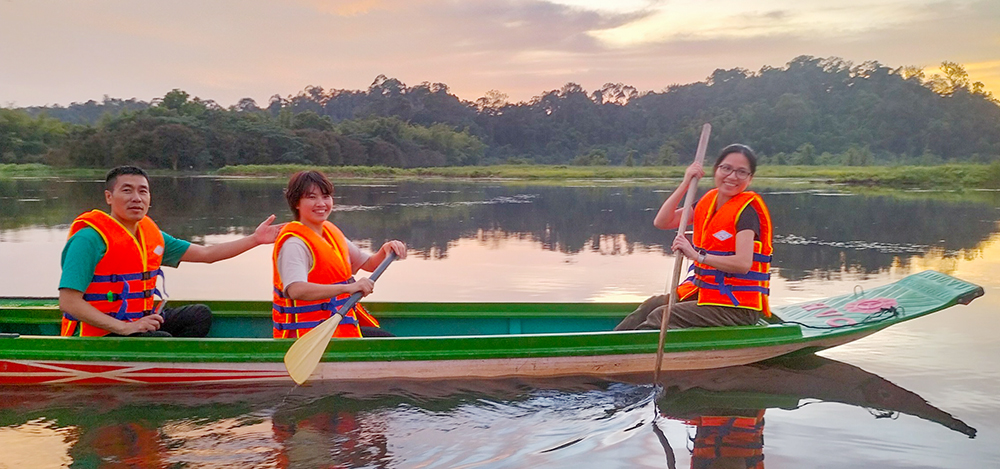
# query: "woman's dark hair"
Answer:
x=300 y=183
x=741 y=149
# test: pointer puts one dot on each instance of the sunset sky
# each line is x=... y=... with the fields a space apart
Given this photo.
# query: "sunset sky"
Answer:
x=58 y=52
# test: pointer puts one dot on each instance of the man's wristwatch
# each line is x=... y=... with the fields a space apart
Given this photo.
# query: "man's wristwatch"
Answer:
x=701 y=257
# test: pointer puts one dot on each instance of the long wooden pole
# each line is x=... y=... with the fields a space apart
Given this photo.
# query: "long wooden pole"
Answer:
x=304 y=355
x=692 y=191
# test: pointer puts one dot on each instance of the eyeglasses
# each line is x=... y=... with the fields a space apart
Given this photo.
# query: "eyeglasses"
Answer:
x=726 y=170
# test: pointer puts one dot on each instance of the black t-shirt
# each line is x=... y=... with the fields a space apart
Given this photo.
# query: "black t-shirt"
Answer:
x=749 y=220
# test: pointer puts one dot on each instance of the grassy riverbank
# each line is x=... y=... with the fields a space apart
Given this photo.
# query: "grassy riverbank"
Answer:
x=952 y=176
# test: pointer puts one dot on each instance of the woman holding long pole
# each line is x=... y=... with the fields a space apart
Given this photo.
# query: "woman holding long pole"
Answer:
x=731 y=250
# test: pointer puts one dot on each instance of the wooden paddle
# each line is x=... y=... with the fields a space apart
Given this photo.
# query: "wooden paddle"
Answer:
x=304 y=355
x=692 y=190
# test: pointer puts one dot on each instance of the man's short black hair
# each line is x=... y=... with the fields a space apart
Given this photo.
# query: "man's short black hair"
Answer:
x=112 y=177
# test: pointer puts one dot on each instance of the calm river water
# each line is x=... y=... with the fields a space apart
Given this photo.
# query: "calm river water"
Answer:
x=907 y=397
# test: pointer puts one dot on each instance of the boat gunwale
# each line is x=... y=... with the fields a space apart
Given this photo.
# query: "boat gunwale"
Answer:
x=395 y=348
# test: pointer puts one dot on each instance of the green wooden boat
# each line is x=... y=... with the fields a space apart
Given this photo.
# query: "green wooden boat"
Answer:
x=454 y=340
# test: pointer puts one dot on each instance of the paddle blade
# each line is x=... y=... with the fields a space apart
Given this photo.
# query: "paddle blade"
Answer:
x=303 y=356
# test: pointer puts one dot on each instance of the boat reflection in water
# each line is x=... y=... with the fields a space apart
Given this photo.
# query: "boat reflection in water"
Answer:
x=430 y=423
x=726 y=406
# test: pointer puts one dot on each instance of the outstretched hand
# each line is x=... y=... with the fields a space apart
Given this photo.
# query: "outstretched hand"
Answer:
x=267 y=233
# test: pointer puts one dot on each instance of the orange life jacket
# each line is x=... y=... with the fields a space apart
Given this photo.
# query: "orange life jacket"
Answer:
x=728 y=437
x=331 y=265
x=715 y=233
x=125 y=278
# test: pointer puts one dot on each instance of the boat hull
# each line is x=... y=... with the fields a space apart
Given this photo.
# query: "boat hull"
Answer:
x=34 y=372
x=440 y=341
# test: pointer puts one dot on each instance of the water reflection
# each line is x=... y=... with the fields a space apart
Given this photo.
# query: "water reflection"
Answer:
x=726 y=407
x=815 y=233
x=408 y=423
x=509 y=242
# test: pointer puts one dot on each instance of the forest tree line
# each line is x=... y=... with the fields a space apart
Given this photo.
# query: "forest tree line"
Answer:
x=812 y=111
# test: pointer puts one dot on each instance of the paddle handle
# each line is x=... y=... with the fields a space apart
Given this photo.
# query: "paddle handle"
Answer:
x=356 y=296
x=692 y=191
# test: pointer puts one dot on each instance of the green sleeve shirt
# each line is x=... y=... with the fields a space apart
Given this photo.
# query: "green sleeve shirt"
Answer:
x=86 y=248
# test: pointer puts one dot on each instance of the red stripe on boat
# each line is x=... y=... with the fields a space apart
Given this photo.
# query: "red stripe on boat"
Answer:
x=31 y=379
x=13 y=367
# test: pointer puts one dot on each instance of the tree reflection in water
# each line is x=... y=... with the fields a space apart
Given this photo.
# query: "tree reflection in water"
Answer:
x=815 y=232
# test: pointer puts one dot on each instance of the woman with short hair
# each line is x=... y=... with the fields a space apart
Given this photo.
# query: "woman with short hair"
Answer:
x=314 y=266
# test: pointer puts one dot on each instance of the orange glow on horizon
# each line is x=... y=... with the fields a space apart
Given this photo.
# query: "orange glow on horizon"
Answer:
x=985 y=72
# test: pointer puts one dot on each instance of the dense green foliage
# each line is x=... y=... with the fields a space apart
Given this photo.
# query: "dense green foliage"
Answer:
x=181 y=133
x=25 y=139
x=813 y=111
x=89 y=112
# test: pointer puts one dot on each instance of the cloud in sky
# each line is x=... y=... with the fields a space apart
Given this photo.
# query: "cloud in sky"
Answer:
x=59 y=52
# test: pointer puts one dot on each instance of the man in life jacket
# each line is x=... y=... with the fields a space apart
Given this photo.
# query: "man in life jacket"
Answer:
x=111 y=262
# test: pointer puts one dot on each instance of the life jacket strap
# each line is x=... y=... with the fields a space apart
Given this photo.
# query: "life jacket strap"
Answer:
x=751 y=275
x=114 y=278
x=720 y=277
x=310 y=324
x=332 y=306
x=112 y=297
x=728 y=290
x=757 y=257
x=281 y=294
x=128 y=316
x=126 y=294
